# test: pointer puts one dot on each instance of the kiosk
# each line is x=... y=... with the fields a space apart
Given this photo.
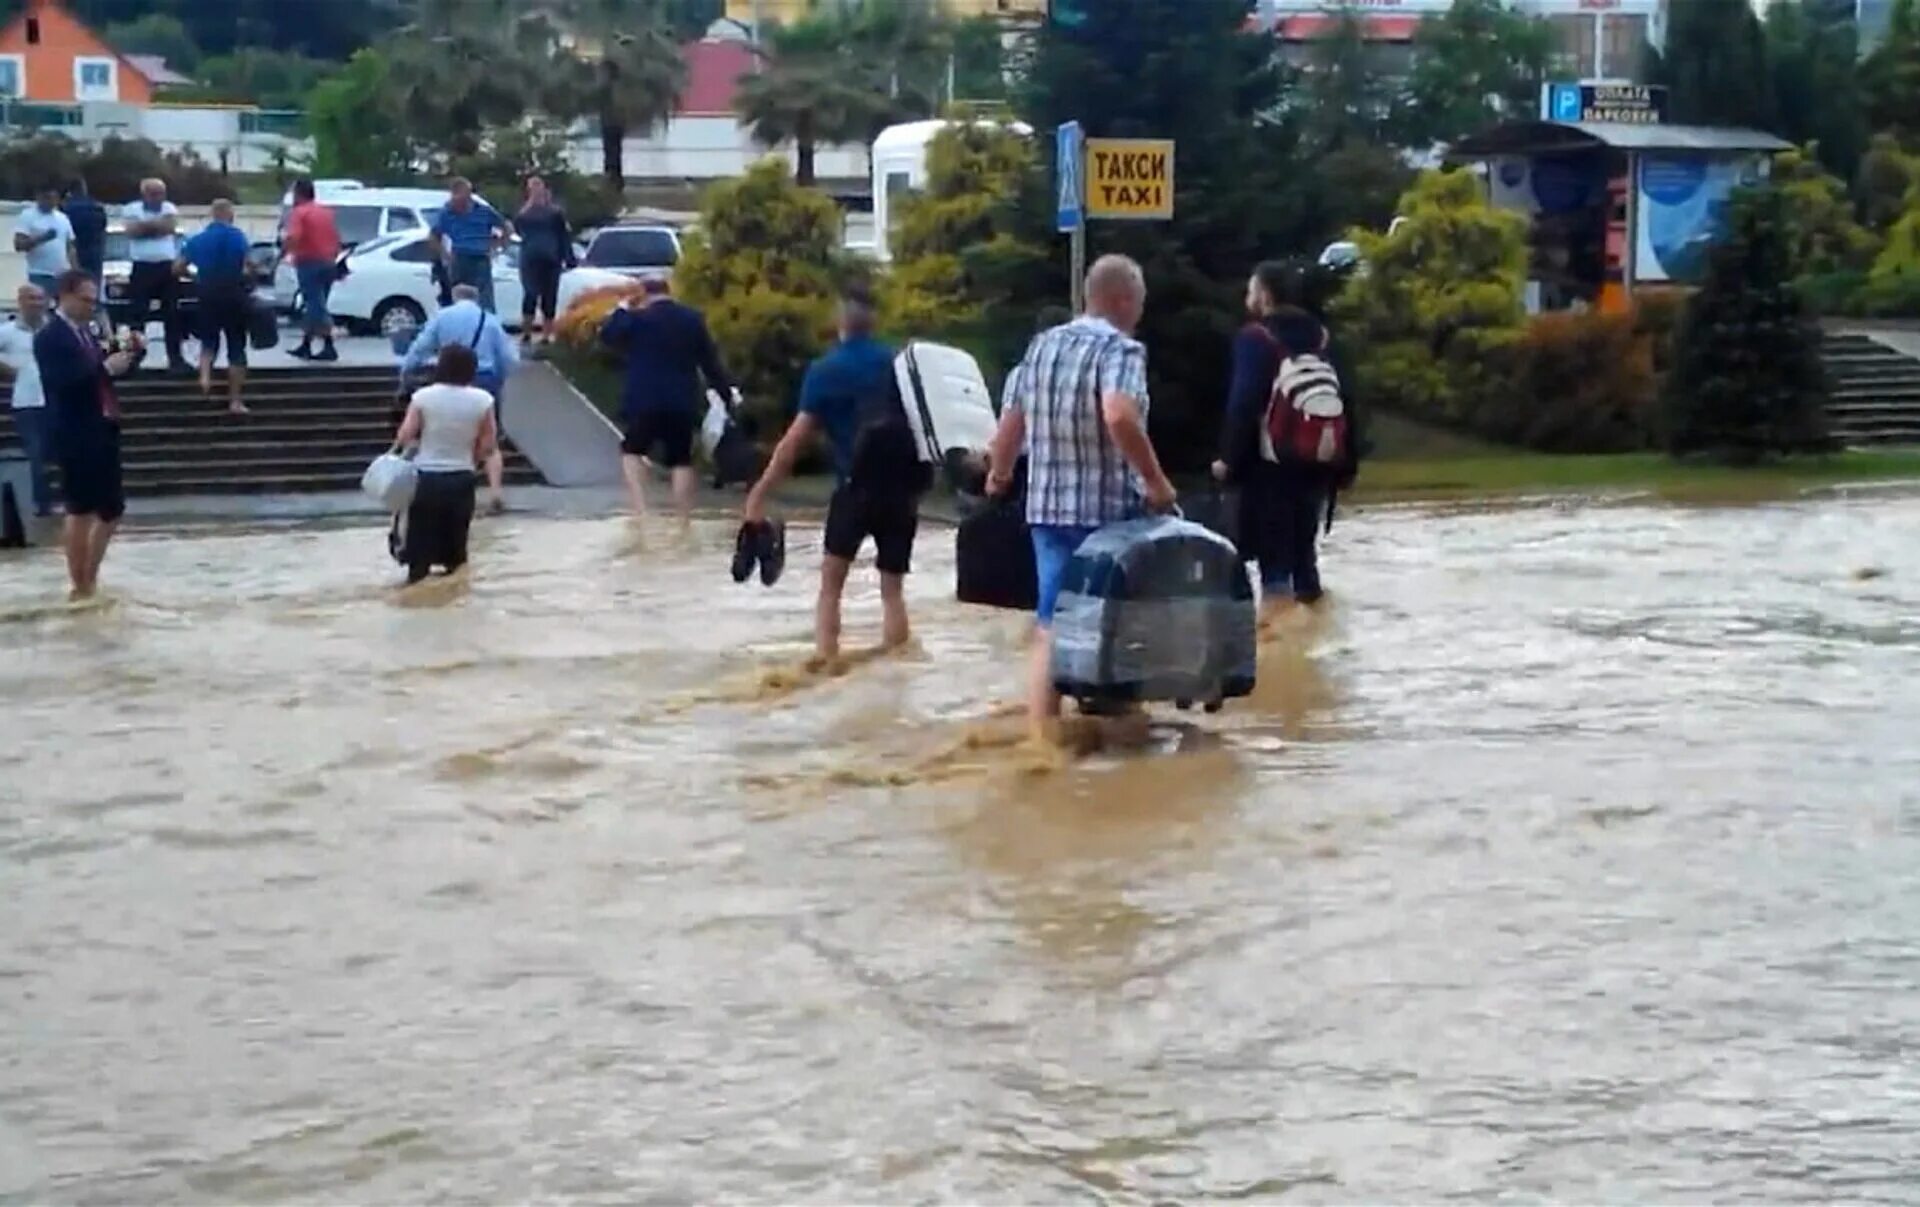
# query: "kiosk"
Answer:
x=1615 y=205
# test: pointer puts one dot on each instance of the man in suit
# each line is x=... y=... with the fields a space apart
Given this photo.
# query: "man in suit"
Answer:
x=77 y=374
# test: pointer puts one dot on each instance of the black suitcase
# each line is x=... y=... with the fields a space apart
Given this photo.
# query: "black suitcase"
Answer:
x=737 y=460
x=263 y=327
x=994 y=556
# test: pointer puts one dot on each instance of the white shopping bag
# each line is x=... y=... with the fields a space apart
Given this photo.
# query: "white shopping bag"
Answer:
x=714 y=425
x=390 y=481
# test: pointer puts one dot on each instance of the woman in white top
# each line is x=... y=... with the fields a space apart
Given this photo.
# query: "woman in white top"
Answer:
x=450 y=426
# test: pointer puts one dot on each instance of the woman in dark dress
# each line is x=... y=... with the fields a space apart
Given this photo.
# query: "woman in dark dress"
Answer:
x=546 y=251
x=1283 y=506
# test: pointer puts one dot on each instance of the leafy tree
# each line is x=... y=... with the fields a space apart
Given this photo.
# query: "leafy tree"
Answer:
x=763 y=263
x=270 y=78
x=1891 y=76
x=1343 y=98
x=1887 y=175
x=1477 y=64
x=1715 y=65
x=1747 y=379
x=465 y=65
x=622 y=68
x=1816 y=86
x=845 y=72
x=950 y=239
x=324 y=29
x=357 y=123
x=1439 y=300
x=158 y=34
x=1193 y=71
x=1818 y=223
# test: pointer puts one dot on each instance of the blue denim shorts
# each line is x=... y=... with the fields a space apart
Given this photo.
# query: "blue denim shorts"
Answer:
x=1053 y=547
x=316 y=281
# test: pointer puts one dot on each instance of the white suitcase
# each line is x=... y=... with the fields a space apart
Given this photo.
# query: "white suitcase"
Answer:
x=948 y=404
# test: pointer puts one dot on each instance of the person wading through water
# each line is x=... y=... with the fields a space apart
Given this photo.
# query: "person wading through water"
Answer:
x=851 y=395
x=450 y=425
x=1284 y=500
x=1080 y=411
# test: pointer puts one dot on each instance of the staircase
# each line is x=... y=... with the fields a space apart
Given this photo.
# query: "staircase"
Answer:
x=1874 y=389
x=311 y=429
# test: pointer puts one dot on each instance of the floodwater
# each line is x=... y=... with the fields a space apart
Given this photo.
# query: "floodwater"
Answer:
x=1573 y=858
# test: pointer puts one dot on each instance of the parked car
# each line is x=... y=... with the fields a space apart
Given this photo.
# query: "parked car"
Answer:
x=116 y=269
x=389 y=284
x=362 y=214
x=634 y=251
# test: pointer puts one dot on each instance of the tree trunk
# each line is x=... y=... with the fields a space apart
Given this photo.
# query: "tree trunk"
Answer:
x=803 y=143
x=613 y=152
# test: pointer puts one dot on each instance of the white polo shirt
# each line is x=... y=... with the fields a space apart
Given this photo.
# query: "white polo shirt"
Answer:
x=16 y=352
x=148 y=250
x=49 y=258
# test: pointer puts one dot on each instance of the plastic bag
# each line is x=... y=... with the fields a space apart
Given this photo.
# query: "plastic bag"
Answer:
x=713 y=426
x=390 y=481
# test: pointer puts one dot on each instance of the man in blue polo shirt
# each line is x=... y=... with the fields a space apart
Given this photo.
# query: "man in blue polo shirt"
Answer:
x=843 y=390
x=218 y=256
x=465 y=236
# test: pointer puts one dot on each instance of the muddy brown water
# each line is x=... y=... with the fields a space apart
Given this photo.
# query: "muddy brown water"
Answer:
x=1573 y=858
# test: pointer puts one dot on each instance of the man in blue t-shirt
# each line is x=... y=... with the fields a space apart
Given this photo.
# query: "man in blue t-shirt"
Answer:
x=843 y=389
x=464 y=237
x=218 y=257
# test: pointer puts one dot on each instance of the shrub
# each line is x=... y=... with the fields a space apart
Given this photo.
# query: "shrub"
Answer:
x=1583 y=383
x=1821 y=230
x=579 y=326
x=763 y=265
x=1438 y=303
x=1748 y=379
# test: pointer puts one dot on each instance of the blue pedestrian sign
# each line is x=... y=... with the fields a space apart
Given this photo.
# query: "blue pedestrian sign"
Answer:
x=1069 y=169
x=1565 y=103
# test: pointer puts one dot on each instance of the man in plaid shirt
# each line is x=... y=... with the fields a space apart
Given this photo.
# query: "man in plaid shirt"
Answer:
x=1077 y=403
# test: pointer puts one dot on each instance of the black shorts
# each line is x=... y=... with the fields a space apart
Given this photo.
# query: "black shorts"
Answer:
x=890 y=518
x=664 y=437
x=90 y=479
x=224 y=318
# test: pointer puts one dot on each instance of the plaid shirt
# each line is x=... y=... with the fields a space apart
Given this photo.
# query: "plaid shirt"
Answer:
x=1076 y=476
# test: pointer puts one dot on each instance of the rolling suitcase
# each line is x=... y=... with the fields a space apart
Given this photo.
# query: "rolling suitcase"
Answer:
x=1155 y=609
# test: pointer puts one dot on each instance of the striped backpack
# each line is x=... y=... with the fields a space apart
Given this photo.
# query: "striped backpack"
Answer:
x=1306 y=420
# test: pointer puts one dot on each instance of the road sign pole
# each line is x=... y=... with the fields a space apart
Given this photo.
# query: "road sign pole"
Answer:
x=1070 y=169
x=1078 y=268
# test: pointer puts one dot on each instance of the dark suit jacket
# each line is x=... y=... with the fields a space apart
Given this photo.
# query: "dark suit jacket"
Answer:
x=72 y=376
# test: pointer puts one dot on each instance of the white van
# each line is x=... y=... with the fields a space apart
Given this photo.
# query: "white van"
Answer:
x=362 y=214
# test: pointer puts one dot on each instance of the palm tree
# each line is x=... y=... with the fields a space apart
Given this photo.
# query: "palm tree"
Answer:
x=845 y=72
x=621 y=65
x=462 y=66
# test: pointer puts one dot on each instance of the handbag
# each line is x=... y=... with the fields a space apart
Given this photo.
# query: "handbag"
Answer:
x=391 y=480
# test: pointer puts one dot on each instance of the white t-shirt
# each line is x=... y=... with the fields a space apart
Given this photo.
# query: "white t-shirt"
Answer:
x=450 y=418
x=49 y=258
x=16 y=352
x=150 y=249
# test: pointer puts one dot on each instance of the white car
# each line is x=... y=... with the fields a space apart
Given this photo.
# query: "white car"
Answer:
x=634 y=251
x=389 y=284
x=361 y=215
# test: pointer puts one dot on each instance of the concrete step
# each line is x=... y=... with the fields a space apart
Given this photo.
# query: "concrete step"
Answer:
x=1878 y=433
x=1899 y=407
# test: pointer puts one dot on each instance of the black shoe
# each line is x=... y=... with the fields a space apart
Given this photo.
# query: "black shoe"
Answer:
x=303 y=352
x=180 y=368
x=327 y=353
x=772 y=549
x=746 y=550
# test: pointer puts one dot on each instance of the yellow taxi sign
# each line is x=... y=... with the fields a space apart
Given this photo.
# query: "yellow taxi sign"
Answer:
x=1130 y=178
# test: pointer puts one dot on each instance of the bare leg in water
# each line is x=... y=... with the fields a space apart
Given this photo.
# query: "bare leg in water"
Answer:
x=894 y=631
x=826 y=611
x=86 y=539
x=684 y=482
x=634 y=470
x=1043 y=703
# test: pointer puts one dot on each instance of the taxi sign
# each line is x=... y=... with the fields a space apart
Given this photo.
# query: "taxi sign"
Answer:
x=1129 y=178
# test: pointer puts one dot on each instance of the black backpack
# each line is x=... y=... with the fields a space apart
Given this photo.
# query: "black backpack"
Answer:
x=886 y=456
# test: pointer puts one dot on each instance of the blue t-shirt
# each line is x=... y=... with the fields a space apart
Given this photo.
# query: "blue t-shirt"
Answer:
x=218 y=255
x=837 y=384
x=89 y=220
x=471 y=233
